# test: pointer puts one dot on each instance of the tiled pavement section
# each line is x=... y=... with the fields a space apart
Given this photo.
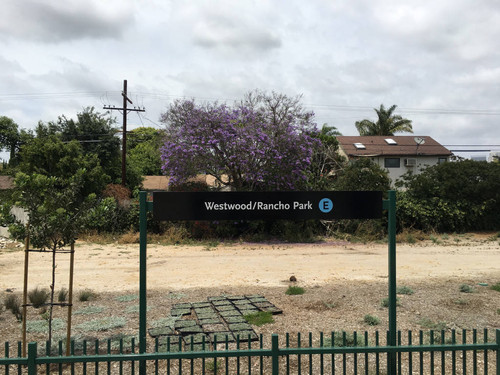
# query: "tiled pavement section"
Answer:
x=221 y=318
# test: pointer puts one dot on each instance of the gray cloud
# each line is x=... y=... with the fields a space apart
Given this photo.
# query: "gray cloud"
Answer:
x=55 y=21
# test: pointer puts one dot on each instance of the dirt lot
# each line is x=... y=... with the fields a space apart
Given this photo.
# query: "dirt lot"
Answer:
x=343 y=282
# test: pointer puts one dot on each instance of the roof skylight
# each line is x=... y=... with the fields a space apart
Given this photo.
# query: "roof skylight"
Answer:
x=390 y=141
x=360 y=146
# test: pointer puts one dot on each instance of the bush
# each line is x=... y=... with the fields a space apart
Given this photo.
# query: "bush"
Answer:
x=87 y=295
x=371 y=320
x=433 y=202
x=496 y=287
x=38 y=297
x=12 y=303
x=385 y=302
x=465 y=288
x=404 y=290
x=62 y=295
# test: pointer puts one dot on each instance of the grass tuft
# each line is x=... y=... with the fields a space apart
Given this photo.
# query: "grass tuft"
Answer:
x=38 y=297
x=13 y=304
x=294 y=290
x=371 y=320
x=495 y=287
x=87 y=295
x=385 y=302
x=344 y=339
x=465 y=288
x=62 y=296
x=405 y=290
x=260 y=318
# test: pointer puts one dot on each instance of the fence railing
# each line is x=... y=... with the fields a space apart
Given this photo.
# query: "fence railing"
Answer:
x=429 y=352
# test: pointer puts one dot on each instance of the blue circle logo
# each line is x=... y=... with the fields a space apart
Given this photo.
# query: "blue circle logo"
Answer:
x=325 y=205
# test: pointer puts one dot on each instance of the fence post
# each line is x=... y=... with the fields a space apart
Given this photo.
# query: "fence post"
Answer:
x=32 y=353
x=498 y=351
x=275 y=352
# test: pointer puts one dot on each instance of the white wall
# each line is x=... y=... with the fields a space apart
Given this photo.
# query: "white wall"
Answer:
x=395 y=173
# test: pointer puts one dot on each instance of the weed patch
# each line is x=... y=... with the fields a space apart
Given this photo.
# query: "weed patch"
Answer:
x=38 y=297
x=495 y=287
x=260 y=318
x=104 y=324
x=127 y=298
x=371 y=320
x=405 y=290
x=344 y=339
x=42 y=326
x=295 y=290
x=87 y=295
x=465 y=288
x=89 y=310
x=385 y=302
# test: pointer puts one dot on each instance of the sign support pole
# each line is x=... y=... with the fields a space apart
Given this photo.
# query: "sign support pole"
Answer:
x=390 y=206
x=143 y=240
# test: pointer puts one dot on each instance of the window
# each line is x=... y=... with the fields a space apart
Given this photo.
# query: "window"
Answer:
x=359 y=146
x=390 y=141
x=442 y=160
x=392 y=162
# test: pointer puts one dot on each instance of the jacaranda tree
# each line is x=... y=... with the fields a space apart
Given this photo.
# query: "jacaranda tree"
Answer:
x=262 y=144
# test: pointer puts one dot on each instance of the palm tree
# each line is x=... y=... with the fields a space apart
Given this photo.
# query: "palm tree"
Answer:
x=387 y=123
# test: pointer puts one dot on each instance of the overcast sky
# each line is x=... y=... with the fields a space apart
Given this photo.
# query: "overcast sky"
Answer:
x=438 y=61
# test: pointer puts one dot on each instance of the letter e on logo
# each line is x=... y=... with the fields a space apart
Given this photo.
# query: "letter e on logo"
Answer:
x=325 y=205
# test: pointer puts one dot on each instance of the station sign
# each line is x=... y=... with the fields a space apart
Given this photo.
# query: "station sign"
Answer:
x=292 y=205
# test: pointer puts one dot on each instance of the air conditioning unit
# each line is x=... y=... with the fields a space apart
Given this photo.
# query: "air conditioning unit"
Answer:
x=410 y=162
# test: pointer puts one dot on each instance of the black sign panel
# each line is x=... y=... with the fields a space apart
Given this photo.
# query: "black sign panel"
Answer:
x=294 y=205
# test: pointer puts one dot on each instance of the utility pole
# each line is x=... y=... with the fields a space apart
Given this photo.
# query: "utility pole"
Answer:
x=125 y=112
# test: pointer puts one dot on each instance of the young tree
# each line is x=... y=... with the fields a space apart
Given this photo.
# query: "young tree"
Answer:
x=261 y=143
x=56 y=211
x=387 y=123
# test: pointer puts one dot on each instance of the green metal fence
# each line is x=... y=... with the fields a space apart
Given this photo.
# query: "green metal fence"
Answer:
x=430 y=352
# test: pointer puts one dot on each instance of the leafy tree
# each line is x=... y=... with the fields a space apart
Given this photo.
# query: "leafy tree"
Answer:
x=387 y=123
x=261 y=143
x=456 y=196
x=97 y=135
x=326 y=161
x=9 y=135
x=143 y=152
x=56 y=213
x=362 y=174
x=50 y=156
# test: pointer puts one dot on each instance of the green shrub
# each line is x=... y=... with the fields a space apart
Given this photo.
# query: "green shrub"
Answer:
x=62 y=295
x=371 y=320
x=260 y=318
x=295 y=290
x=404 y=290
x=42 y=326
x=87 y=295
x=429 y=324
x=13 y=304
x=495 y=287
x=385 y=302
x=38 y=297
x=344 y=339
x=465 y=288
